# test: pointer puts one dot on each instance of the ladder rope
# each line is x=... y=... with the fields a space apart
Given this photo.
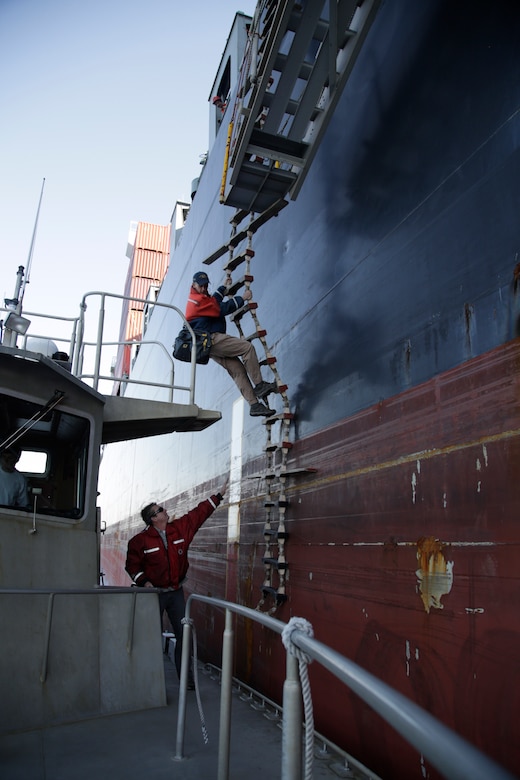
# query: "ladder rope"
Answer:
x=204 y=729
x=274 y=558
x=300 y=624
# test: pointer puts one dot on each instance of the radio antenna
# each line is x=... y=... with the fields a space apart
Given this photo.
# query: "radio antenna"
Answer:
x=31 y=249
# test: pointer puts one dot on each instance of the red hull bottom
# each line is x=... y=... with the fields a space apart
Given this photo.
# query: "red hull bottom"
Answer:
x=403 y=554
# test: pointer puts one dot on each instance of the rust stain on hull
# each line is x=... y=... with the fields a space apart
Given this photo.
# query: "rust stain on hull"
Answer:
x=435 y=573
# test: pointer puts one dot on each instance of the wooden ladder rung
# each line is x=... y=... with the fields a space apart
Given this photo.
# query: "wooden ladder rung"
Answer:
x=235 y=287
x=237 y=316
x=235 y=261
x=270 y=360
x=258 y=334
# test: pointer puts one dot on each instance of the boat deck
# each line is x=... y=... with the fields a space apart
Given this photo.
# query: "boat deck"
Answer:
x=142 y=744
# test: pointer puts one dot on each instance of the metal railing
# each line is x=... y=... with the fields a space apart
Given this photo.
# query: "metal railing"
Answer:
x=451 y=755
x=76 y=344
x=99 y=343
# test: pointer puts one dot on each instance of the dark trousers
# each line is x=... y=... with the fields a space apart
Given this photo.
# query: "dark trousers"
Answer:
x=173 y=602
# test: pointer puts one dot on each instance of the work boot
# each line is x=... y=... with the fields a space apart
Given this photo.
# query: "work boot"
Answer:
x=260 y=410
x=263 y=389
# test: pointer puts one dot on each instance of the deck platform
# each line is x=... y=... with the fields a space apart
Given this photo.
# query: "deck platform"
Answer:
x=142 y=744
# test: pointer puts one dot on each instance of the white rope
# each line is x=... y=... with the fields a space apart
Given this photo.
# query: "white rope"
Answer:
x=205 y=735
x=300 y=624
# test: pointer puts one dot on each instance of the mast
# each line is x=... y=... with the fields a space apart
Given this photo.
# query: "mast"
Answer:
x=16 y=324
x=31 y=251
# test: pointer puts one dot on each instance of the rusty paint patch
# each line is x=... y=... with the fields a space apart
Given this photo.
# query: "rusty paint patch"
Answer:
x=435 y=573
x=516 y=277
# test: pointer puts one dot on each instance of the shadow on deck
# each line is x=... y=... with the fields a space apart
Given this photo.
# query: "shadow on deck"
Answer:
x=142 y=744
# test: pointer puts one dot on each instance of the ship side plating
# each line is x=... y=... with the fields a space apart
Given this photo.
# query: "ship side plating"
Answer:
x=389 y=293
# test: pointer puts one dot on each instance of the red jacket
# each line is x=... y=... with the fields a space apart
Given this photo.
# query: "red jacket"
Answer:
x=202 y=305
x=209 y=312
x=148 y=560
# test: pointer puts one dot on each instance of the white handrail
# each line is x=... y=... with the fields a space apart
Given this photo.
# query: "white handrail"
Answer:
x=77 y=368
x=453 y=756
x=77 y=344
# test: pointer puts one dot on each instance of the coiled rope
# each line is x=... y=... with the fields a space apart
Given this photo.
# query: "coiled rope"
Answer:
x=205 y=735
x=300 y=624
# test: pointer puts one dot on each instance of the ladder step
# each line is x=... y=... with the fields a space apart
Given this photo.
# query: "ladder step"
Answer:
x=258 y=334
x=280 y=416
x=281 y=566
x=282 y=473
x=266 y=362
x=271 y=211
x=240 y=215
x=280 y=598
x=237 y=316
x=215 y=256
x=284 y=445
x=278 y=534
x=235 y=287
x=233 y=242
x=234 y=262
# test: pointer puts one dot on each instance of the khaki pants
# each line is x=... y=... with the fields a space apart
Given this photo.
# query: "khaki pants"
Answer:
x=227 y=351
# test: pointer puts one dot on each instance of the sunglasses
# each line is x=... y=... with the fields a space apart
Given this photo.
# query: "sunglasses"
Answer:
x=157 y=512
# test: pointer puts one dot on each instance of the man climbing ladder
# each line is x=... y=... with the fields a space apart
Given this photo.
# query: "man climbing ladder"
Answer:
x=276 y=470
x=237 y=355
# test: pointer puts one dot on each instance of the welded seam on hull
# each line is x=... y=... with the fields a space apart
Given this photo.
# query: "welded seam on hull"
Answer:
x=403 y=459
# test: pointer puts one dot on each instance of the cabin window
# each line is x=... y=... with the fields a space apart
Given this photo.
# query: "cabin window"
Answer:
x=34 y=463
x=53 y=459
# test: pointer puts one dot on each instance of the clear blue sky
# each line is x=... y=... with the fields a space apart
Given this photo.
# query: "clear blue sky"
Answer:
x=108 y=101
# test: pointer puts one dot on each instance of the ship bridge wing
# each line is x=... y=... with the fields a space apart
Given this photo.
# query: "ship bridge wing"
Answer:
x=298 y=60
x=134 y=418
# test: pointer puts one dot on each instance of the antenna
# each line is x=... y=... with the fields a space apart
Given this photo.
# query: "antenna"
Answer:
x=31 y=249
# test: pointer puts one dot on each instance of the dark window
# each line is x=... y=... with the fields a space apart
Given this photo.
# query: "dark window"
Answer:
x=54 y=455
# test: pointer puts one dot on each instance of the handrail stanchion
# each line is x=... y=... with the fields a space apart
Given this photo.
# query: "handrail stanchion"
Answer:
x=48 y=625
x=80 y=336
x=183 y=687
x=131 y=624
x=99 y=344
x=292 y=722
x=226 y=683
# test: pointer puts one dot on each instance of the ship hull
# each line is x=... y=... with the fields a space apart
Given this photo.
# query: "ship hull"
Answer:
x=389 y=293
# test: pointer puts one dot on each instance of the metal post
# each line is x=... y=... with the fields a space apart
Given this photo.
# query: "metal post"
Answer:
x=183 y=687
x=15 y=306
x=225 y=698
x=45 y=661
x=99 y=343
x=131 y=624
x=292 y=722
x=77 y=365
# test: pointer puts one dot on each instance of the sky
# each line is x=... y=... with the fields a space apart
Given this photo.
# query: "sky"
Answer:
x=107 y=100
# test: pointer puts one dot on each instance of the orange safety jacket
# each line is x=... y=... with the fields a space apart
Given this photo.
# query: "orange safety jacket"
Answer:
x=208 y=312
